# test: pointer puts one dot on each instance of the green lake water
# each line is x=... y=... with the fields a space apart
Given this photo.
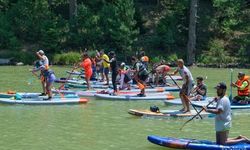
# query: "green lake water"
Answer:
x=99 y=124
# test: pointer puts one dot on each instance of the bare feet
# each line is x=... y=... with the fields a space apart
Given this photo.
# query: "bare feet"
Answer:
x=245 y=138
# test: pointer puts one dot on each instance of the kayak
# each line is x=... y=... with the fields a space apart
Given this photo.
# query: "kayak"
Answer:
x=192 y=144
x=39 y=100
x=164 y=113
x=177 y=101
x=213 y=105
x=135 y=97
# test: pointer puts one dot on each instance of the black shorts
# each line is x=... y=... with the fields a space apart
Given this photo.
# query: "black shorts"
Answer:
x=143 y=77
x=127 y=78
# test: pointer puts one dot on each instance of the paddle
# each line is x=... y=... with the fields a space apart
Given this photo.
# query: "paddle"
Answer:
x=231 y=93
x=74 y=68
x=185 y=95
x=196 y=115
x=30 y=80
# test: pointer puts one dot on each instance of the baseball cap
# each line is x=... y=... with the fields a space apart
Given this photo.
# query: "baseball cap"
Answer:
x=221 y=85
x=122 y=64
x=41 y=52
x=241 y=74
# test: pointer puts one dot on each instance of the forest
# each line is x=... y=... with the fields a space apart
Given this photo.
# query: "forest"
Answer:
x=199 y=31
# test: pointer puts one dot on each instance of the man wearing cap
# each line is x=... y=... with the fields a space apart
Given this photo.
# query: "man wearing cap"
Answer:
x=161 y=70
x=242 y=85
x=200 y=91
x=45 y=64
x=223 y=117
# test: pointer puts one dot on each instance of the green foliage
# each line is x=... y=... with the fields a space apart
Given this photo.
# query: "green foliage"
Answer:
x=118 y=25
x=227 y=14
x=172 y=28
x=170 y=58
x=68 y=58
x=122 y=26
x=87 y=27
x=53 y=34
x=8 y=39
x=216 y=54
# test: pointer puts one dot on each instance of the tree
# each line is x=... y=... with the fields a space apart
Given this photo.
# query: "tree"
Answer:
x=119 y=25
x=72 y=9
x=192 y=32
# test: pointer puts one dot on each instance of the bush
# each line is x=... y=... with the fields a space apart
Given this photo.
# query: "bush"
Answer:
x=69 y=58
x=18 y=56
x=216 y=53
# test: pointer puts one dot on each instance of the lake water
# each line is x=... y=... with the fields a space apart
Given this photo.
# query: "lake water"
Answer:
x=99 y=125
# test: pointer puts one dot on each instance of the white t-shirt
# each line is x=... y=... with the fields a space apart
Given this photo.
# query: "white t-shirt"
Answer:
x=223 y=120
x=45 y=60
x=185 y=71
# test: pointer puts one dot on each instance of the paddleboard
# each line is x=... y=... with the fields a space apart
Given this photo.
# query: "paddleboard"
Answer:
x=56 y=100
x=164 y=113
x=9 y=95
x=192 y=144
x=134 y=97
x=177 y=101
x=213 y=105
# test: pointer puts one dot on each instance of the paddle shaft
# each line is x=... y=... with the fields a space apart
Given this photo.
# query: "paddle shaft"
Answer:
x=196 y=114
x=74 y=68
x=185 y=96
x=231 y=90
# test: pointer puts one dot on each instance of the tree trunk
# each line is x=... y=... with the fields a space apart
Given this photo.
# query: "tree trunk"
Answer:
x=192 y=32
x=72 y=9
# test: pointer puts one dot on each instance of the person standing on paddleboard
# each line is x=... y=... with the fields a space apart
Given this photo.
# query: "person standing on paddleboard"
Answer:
x=187 y=86
x=223 y=120
x=104 y=60
x=86 y=64
x=114 y=70
x=140 y=75
x=45 y=63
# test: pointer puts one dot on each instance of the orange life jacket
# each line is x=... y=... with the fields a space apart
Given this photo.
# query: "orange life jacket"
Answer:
x=245 y=91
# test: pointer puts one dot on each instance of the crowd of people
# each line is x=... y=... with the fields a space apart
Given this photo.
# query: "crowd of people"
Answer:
x=98 y=67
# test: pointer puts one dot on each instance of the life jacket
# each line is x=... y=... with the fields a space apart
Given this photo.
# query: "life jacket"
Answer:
x=245 y=91
x=142 y=67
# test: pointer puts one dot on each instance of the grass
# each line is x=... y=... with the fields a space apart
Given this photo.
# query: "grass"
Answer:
x=16 y=78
